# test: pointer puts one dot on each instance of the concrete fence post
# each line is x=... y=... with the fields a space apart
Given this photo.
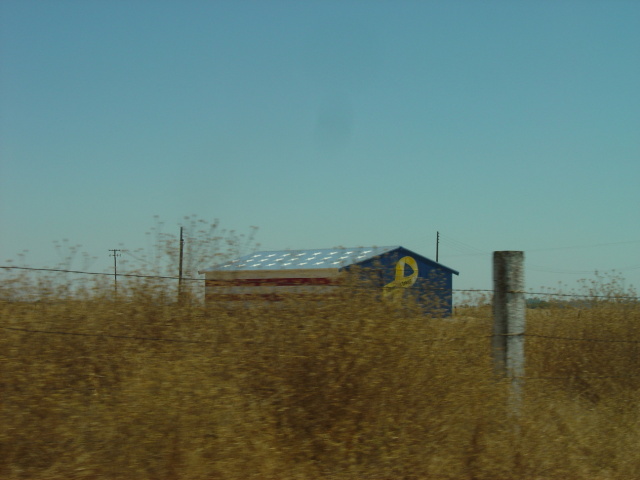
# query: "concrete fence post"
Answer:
x=509 y=319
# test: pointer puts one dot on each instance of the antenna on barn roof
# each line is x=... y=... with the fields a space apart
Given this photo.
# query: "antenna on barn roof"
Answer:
x=437 y=245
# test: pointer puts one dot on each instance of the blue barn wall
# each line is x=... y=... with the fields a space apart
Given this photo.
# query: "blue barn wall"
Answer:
x=433 y=284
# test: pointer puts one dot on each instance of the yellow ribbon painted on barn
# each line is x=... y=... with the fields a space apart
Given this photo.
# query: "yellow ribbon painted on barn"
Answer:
x=402 y=281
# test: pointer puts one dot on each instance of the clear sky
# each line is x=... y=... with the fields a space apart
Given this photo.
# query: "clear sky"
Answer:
x=505 y=125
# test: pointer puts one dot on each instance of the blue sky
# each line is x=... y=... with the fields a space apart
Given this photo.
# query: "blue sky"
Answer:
x=503 y=125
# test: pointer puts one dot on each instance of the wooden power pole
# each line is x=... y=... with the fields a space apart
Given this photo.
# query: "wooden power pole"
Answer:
x=115 y=255
x=180 y=267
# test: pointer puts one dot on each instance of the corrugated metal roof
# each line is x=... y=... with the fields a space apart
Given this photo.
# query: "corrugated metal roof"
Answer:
x=302 y=259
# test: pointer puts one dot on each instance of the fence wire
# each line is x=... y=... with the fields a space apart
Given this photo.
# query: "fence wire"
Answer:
x=189 y=341
x=455 y=290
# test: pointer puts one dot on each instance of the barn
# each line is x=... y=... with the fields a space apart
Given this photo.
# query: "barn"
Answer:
x=272 y=276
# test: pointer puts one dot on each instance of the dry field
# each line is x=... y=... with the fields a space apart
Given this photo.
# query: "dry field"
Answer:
x=92 y=388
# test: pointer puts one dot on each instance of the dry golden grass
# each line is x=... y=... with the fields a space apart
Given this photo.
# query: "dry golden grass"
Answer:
x=347 y=389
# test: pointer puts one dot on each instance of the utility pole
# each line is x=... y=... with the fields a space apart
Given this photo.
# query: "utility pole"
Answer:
x=115 y=256
x=180 y=267
x=437 y=245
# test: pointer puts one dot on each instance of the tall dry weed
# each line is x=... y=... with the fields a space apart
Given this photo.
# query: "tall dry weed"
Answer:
x=141 y=387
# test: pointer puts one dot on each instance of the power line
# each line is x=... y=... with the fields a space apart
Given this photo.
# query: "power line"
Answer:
x=135 y=275
x=469 y=250
x=574 y=247
x=538 y=268
x=139 y=259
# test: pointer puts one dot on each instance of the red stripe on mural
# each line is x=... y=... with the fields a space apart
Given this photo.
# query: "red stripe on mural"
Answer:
x=272 y=282
x=230 y=297
x=262 y=297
